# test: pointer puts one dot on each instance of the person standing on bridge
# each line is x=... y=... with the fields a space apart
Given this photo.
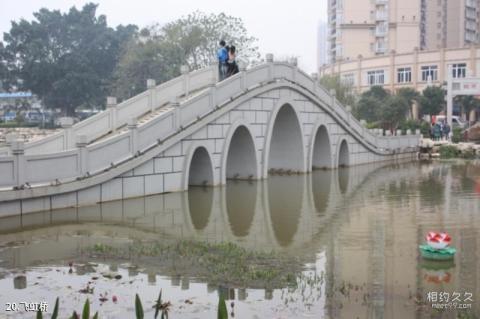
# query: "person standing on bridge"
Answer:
x=232 y=67
x=222 y=56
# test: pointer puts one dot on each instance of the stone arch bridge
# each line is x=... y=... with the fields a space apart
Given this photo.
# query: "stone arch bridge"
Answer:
x=193 y=131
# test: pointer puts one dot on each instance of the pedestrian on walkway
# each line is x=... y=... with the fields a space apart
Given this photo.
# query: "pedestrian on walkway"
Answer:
x=222 y=56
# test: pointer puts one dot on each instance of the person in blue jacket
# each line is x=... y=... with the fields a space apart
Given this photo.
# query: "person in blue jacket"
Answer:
x=222 y=56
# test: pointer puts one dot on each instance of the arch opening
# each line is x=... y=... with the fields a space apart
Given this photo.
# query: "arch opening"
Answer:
x=322 y=155
x=200 y=172
x=286 y=144
x=343 y=155
x=241 y=158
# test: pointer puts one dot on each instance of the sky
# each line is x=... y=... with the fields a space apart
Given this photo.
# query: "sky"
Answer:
x=284 y=28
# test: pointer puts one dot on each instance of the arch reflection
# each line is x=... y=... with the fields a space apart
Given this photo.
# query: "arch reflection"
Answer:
x=285 y=201
x=200 y=202
x=321 y=184
x=241 y=197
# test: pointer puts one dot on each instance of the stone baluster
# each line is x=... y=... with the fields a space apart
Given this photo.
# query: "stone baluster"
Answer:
x=112 y=109
x=409 y=132
x=333 y=94
x=269 y=59
x=9 y=138
x=176 y=113
x=132 y=125
x=66 y=123
x=186 y=79
x=81 y=144
x=216 y=72
x=213 y=95
x=315 y=82
x=242 y=67
x=151 y=83
x=294 y=62
x=399 y=132
x=18 y=152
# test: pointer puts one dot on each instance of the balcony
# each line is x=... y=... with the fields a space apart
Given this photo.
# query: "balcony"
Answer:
x=471 y=3
x=380 y=48
x=381 y=16
x=380 y=32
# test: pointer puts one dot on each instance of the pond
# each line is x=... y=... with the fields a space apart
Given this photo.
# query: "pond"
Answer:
x=331 y=244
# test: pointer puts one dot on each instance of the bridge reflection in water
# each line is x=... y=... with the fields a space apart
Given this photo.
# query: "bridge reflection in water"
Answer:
x=362 y=225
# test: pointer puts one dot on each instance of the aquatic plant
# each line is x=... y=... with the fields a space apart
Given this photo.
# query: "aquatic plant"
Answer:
x=221 y=263
x=222 y=308
x=139 y=314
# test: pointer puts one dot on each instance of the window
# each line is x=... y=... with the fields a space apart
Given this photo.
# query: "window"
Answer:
x=429 y=71
x=404 y=75
x=348 y=79
x=376 y=77
x=459 y=70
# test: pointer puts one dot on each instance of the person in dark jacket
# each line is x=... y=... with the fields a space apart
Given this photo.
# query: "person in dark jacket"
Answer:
x=232 y=67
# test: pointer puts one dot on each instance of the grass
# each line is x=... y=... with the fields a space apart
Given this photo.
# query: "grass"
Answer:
x=224 y=263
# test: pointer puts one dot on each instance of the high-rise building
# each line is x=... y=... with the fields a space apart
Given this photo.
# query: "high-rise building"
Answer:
x=376 y=27
x=322 y=44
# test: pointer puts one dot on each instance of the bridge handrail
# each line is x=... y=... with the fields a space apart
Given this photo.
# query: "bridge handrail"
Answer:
x=101 y=155
x=113 y=118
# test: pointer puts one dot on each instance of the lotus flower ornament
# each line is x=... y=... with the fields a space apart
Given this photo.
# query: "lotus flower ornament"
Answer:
x=438 y=240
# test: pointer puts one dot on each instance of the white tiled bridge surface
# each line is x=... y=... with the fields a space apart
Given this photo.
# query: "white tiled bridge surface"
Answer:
x=272 y=118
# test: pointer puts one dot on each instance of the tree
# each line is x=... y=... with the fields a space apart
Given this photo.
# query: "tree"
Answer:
x=468 y=103
x=159 y=51
x=195 y=38
x=409 y=94
x=344 y=91
x=432 y=100
x=370 y=104
x=368 y=108
x=393 y=111
x=142 y=60
x=65 y=59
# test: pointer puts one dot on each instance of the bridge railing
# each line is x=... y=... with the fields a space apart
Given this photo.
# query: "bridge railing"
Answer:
x=115 y=117
x=84 y=160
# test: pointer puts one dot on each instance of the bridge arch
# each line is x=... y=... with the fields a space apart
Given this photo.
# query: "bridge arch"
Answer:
x=320 y=155
x=284 y=146
x=239 y=156
x=198 y=168
x=343 y=157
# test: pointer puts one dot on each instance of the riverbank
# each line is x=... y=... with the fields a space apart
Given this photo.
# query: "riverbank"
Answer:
x=446 y=149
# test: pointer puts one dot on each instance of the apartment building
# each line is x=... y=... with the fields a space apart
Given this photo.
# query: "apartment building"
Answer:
x=376 y=27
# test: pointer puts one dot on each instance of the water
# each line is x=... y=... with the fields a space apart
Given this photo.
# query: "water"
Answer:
x=355 y=232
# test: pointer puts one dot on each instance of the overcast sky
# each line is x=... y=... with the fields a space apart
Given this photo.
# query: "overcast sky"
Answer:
x=284 y=28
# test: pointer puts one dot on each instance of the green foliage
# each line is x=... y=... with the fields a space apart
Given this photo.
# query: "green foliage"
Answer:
x=344 y=91
x=66 y=59
x=432 y=100
x=159 y=51
x=393 y=111
x=138 y=307
x=457 y=135
x=368 y=108
x=448 y=151
x=158 y=304
x=86 y=310
x=222 y=308
x=387 y=110
x=468 y=103
x=410 y=95
x=55 y=309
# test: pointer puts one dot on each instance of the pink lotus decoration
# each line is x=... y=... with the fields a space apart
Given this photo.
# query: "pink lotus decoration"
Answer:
x=438 y=240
